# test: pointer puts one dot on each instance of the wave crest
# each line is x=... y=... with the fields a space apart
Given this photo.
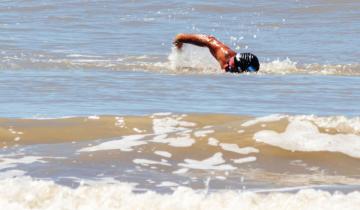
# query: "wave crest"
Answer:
x=189 y=60
x=47 y=195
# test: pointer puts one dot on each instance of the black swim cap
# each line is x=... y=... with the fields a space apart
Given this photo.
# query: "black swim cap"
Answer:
x=246 y=62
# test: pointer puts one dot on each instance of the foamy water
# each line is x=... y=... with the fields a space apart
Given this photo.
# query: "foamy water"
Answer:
x=105 y=35
x=194 y=151
x=47 y=195
x=99 y=110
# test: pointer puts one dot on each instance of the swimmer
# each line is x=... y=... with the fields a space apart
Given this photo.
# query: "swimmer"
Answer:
x=229 y=60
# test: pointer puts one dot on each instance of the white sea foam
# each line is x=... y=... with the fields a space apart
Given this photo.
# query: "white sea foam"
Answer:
x=25 y=193
x=137 y=130
x=235 y=148
x=203 y=133
x=244 y=160
x=94 y=117
x=213 y=142
x=241 y=131
x=214 y=162
x=181 y=141
x=161 y=114
x=170 y=124
x=340 y=123
x=279 y=67
x=220 y=177
x=167 y=184
x=146 y=162
x=181 y=171
x=302 y=135
x=163 y=154
x=270 y=118
x=83 y=56
x=12 y=174
x=125 y=144
x=9 y=162
x=15 y=132
x=193 y=57
x=119 y=122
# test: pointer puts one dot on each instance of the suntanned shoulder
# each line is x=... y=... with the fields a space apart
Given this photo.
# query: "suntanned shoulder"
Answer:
x=227 y=58
x=219 y=50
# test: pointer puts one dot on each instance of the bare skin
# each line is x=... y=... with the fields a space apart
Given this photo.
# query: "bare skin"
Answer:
x=222 y=53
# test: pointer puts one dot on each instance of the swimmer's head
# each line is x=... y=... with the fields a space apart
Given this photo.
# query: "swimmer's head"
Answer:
x=244 y=62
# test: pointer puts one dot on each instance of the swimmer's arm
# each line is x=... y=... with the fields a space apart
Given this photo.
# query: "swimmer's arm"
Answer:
x=219 y=50
x=195 y=39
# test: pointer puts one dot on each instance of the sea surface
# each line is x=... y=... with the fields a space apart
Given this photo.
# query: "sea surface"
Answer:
x=99 y=111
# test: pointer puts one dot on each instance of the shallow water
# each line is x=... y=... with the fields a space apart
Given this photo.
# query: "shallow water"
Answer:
x=96 y=106
x=58 y=93
x=271 y=152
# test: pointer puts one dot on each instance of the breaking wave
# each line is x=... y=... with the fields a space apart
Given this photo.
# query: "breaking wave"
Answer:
x=287 y=150
x=190 y=60
x=31 y=194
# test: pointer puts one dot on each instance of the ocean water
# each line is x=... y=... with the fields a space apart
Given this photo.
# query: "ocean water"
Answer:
x=98 y=110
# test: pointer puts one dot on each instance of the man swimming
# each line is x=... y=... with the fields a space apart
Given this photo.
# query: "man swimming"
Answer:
x=229 y=60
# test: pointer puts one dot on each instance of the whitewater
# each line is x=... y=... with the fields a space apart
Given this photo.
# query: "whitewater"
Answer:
x=99 y=111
